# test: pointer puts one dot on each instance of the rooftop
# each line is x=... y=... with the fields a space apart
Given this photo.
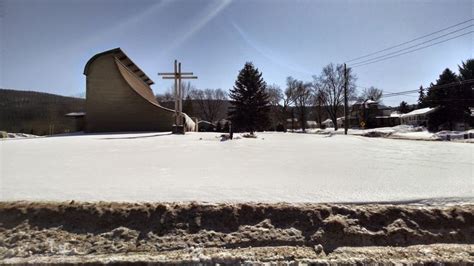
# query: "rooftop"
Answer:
x=421 y=111
x=125 y=60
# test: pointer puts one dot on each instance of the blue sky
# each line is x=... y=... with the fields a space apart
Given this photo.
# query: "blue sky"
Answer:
x=46 y=43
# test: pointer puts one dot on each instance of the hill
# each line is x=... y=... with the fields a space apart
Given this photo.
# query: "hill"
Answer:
x=37 y=112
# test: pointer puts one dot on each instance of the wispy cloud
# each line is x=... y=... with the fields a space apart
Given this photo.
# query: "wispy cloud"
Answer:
x=267 y=53
x=200 y=22
x=118 y=28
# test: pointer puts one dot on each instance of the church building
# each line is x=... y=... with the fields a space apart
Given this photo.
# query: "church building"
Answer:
x=119 y=97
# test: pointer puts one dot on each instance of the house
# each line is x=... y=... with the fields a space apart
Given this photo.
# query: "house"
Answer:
x=328 y=122
x=372 y=114
x=311 y=124
x=391 y=120
x=418 y=117
x=294 y=123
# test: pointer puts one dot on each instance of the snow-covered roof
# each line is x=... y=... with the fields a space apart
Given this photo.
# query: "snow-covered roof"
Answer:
x=326 y=121
x=422 y=111
x=368 y=101
x=395 y=114
x=205 y=122
x=75 y=114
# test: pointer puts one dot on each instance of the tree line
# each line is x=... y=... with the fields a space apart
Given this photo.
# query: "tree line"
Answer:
x=452 y=95
x=253 y=105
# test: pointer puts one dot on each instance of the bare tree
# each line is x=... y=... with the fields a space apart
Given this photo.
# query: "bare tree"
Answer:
x=168 y=95
x=165 y=97
x=210 y=102
x=371 y=93
x=275 y=97
x=317 y=101
x=302 y=97
x=331 y=86
x=186 y=88
x=289 y=99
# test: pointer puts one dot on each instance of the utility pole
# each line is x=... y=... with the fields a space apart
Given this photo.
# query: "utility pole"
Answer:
x=346 y=105
x=177 y=75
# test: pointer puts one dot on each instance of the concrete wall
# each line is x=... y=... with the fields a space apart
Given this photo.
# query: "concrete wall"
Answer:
x=117 y=100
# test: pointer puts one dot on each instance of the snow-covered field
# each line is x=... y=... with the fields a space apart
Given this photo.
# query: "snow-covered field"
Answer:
x=274 y=167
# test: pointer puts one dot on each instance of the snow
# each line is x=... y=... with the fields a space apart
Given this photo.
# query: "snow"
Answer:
x=16 y=135
x=408 y=132
x=400 y=132
x=421 y=111
x=189 y=123
x=275 y=167
x=395 y=114
x=76 y=114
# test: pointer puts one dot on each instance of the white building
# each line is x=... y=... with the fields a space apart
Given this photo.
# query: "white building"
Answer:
x=418 y=117
x=328 y=122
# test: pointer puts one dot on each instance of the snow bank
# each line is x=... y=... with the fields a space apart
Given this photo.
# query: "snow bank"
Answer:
x=402 y=132
x=64 y=230
x=9 y=135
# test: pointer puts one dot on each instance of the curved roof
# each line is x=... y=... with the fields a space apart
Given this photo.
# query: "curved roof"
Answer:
x=141 y=88
x=125 y=60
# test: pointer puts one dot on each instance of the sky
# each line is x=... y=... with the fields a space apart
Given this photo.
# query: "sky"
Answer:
x=44 y=44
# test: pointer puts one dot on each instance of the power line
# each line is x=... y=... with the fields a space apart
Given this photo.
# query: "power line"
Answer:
x=414 y=50
x=401 y=93
x=361 y=87
x=407 y=48
x=410 y=41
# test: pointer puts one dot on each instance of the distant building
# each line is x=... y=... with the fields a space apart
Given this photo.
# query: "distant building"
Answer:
x=294 y=122
x=393 y=119
x=418 y=117
x=311 y=124
x=206 y=126
x=119 y=97
x=78 y=119
x=328 y=122
x=372 y=114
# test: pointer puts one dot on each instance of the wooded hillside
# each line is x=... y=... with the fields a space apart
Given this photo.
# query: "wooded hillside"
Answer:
x=36 y=112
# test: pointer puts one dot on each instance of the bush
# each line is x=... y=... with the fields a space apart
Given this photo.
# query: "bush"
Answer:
x=280 y=128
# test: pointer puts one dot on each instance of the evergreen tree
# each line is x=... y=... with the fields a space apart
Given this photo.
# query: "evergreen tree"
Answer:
x=437 y=96
x=450 y=100
x=466 y=70
x=249 y=99
x=421 y=97
x=403 y=108
x=447 y=77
